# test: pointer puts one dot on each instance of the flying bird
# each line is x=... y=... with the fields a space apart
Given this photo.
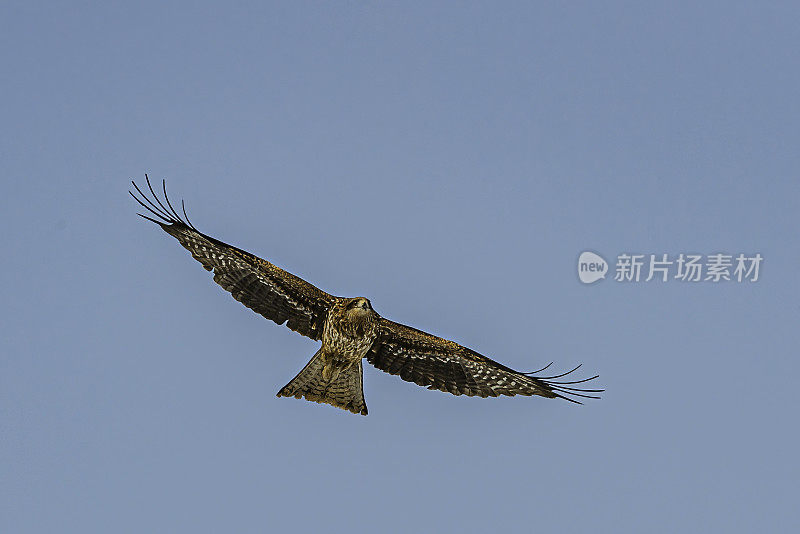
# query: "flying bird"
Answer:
x=349 y=328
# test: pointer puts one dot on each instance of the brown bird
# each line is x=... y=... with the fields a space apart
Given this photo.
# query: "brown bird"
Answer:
x=350 y=330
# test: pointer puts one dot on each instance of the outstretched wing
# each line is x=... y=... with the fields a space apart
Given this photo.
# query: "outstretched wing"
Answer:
x=256 y=283
x=440 y=364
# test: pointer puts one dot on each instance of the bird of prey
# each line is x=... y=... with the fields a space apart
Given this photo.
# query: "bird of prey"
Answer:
x=349 y=328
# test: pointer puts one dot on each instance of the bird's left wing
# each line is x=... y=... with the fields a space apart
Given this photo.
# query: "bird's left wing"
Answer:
x=261 y=286
x=440 y=364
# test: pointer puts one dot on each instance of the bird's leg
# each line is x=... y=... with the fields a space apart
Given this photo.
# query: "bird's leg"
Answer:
x=331 y=369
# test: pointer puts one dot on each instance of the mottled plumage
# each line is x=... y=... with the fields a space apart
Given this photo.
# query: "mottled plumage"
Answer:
x=350 y=330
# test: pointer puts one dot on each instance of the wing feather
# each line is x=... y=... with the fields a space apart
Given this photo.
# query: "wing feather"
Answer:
x=437 y=363
x=258 y=284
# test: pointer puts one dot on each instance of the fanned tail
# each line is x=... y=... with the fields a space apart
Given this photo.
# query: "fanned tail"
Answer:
x=343 y=389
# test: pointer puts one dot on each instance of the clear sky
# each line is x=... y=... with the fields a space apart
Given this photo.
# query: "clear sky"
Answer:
x=450 y=161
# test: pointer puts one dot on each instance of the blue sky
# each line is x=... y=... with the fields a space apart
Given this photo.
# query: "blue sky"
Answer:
x=450 y=161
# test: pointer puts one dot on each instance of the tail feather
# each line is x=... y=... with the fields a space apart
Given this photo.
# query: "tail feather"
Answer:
x=343 y=389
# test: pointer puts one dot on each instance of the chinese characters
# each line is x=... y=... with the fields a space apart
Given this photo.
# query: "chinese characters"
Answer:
x=687 y=267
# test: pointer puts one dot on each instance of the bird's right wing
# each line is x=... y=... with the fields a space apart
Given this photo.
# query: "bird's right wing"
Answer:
x=438 y=363
x=258 y=284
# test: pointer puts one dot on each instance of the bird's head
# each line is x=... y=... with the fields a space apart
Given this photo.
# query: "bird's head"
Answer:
x=359 y=313
x=359 y=305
